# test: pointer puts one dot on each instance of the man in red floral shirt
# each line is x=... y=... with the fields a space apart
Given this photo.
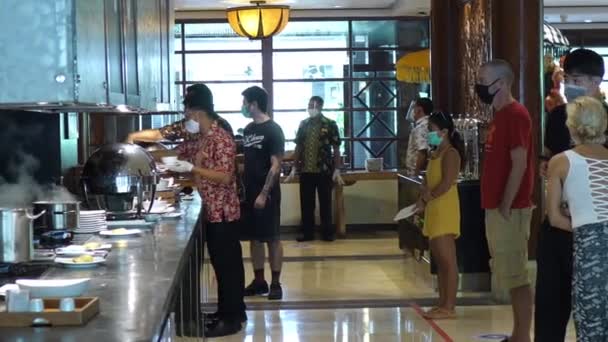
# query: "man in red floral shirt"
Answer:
x=211 y=159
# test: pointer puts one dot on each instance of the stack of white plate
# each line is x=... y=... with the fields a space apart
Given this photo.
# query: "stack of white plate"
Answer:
x=92 y=221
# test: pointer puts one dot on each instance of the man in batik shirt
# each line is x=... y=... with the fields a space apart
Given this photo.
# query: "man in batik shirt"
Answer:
x=317 y=159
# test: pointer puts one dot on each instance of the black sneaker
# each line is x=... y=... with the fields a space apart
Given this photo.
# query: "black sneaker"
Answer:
x=256 y=288
x=305 y=238
x=210 y=318
x=276 y=292
x=222 y=328
x=329 y=238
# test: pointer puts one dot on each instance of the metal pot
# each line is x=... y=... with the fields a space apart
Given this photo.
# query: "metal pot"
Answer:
x=16 y=235
x=58 y=216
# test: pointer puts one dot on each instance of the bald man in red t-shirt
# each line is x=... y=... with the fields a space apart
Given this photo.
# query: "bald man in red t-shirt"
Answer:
x=506 y=190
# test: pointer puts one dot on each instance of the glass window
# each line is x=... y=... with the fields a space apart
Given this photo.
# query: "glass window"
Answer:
x=290 y=122
x=177 y=34
x=224 y=67
x=380 y=124
x=313 y=35
x=218 y=36
x=375 y=149
x=178 y=69
x=374 y=64
x=312 y=58
x=295 y=95
x=382 y=34
x=310 y=65
x=227 y=96
x=374 y=94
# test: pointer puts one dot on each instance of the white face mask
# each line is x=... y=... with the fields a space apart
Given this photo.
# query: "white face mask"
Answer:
x=192 y=126
x=313 y=112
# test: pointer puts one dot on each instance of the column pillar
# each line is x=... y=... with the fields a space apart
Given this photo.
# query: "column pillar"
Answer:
x=445 y=59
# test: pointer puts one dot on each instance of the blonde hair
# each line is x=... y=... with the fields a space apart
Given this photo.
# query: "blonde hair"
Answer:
x=587 y=120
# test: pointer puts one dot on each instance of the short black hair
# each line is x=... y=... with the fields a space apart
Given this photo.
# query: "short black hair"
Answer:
x=584 y=61
x=426 y=104
x=199 y=96
x=318 y=100
x=257 y=95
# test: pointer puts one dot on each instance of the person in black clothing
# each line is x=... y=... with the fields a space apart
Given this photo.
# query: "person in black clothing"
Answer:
x=584 y=71
x=263 y=147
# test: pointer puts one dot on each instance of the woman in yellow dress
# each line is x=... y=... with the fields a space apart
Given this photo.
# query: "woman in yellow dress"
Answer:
x=439 y=200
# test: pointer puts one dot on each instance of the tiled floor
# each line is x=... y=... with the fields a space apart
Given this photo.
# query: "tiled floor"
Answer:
x=378 y=325
x=359 y=290
x=355 y=247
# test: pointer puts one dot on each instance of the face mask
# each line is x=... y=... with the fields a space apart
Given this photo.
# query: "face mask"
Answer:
x=245 y=111
x=483 y=91
x=313 y=112
x=192 y=126
x=573 y=92
x=434 y=139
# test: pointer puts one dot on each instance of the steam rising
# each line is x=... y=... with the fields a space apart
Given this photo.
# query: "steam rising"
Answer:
x=26 y=191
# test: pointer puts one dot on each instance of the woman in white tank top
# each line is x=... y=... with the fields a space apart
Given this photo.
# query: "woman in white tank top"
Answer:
x=579 y=177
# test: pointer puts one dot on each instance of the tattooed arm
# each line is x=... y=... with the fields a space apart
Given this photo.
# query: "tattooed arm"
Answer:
x=272 y=179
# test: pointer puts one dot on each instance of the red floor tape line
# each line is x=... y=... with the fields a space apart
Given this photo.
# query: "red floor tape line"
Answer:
x=432 y=323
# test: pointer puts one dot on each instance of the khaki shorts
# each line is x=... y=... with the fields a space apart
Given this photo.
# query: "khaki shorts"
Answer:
x=508 y=245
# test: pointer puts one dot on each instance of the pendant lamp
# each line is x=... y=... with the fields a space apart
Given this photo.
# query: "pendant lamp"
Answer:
x=259 y=20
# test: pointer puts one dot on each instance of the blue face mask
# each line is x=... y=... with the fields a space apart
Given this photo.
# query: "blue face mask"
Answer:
x=434 y=139
x=245 y=111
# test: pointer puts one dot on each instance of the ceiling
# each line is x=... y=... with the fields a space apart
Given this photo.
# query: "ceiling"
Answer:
x=412 y=5
x=556 y=11
x=575 y=3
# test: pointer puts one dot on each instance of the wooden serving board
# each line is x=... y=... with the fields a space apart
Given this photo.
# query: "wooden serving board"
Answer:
x=86 y=309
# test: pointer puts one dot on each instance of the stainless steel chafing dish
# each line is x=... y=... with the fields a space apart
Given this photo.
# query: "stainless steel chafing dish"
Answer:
x=114 y=175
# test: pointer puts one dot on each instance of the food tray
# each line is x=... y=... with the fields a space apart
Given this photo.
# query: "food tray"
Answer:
x=86 y=309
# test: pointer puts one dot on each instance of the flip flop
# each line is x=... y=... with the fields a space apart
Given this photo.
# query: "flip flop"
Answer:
x=441 y=313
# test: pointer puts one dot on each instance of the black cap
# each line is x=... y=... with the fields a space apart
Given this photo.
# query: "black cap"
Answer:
x=199 y=96
x=584 y=61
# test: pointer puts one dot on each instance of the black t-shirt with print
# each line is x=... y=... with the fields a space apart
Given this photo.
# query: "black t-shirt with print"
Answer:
x=260 y=142
x=557 y=135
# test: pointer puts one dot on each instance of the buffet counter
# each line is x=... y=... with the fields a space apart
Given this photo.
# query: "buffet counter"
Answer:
x=149 y=288
x=471 y=247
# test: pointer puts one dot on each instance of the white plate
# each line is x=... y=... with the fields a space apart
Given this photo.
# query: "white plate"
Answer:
x=172 y=215
x=85 y=230
x=129 y=232
x=163 y=210
x=40 y=288
x=405 y=213
x=76 y=250
x=69 y=262
x=129 y=223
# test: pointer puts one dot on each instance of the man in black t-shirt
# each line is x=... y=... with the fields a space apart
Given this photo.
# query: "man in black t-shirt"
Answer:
x=584 y=71
x=263 y=146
